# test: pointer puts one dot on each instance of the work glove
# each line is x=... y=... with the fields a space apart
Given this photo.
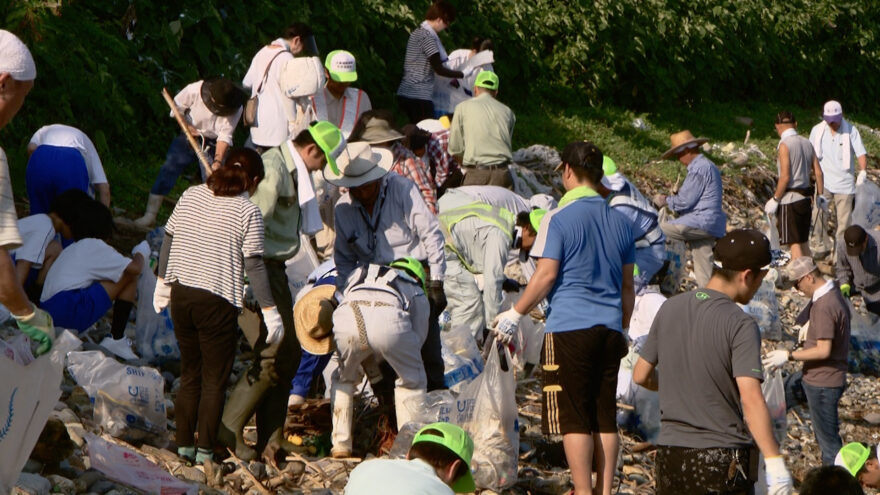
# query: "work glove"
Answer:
x=845 y=290
x=771 y=207
x=778 y=477
x=143 y=248
x=38 y=326
x=860 y=179
x=776 y=358
x=506 y=324
x=274 y=325
x=510 y=285
x=161 y=295
x=802 y=333
x=436 y=296
x=659 y=200
x=822 y=203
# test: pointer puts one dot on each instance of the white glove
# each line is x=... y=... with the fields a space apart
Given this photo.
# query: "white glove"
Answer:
x=506 y=324
x=860 y=179
x=822 y=203
x=161 y=295
x=802 y=333
x=775 y=358
x=771 y=207
x=778 y=477
x=143 y=249
x=274 y=325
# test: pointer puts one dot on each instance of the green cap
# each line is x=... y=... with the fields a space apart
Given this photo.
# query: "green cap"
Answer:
x=608 y=166
x=413 y=266
x=459 y=442
x=341 y=66
x=635 y=270
x=329 y=138
x=487 y=79
x=535 y=217
x=852 y=457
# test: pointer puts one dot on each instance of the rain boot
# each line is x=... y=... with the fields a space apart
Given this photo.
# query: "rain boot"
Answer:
x=238 y=411
x=342 y=407
x=409 y=404
x=149 y=218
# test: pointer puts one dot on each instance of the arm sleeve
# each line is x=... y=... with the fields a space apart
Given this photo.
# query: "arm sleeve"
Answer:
x=164 y=253
x=186 y=97
x=427 y=228
x=549 y=242
x=648 y=352
x=226 y=127
x=259 y=280
x=843 y=271
x=495 y=249
x=855 y=140
x=441 y=70
x=745 y=349
x=252 y=226
x=688 y=194
x=456 y=135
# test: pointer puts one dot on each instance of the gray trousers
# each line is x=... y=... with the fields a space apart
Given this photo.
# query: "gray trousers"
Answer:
x=700 y=244
x=843 y=208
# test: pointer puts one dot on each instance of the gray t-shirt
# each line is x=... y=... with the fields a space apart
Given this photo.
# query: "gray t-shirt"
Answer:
x=701 y=341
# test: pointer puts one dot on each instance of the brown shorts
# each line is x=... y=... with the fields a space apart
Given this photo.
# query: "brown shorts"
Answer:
x=793 y=222
x=580 y=380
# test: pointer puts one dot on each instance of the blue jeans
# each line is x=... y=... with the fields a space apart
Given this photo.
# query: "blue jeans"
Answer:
x=310 y=366
x=823 y=409
x=180 y=156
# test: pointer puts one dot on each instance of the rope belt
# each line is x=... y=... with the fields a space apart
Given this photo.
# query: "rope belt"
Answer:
x=359 y=318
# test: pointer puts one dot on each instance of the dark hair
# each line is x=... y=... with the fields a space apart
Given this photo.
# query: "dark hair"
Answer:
x=300 y=29
x=524 y=220
x=92 y=220
x=725 y=274
x=585 y=160
x=243 y=167
x=361 y=125
x=441 y=9
x=69 y=204
x=416 y=138
x=480 y=44
x=785 y=117
x=830 y=479
x=437 y=456
x=305 y=138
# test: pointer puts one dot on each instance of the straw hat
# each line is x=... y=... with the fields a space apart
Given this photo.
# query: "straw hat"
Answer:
x=682 y=141
x=379 y=131
x=313 y=320
x=359 y=164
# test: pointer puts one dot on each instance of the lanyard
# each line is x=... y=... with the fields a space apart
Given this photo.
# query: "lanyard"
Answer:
x=372 y=226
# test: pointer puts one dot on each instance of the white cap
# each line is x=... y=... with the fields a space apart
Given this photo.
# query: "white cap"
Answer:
x=542 y=201
x=832 y=109
x=15 y=58
x=431 y=125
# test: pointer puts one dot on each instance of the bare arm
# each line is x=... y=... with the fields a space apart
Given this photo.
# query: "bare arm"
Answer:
x=11 y=293
x=784 y=173
x=863 y=162
x=757 y=415
x=627 y=294
x=22 y=268
x=821 y=351
x=645 y=374
x=219 y=154
x=820 y=178
x=134 y=268
x=103 y=191
x=539 y=286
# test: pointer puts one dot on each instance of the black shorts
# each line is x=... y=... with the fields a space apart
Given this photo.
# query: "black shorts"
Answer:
x=580 y=380
x=686 y=471
x=793 y=222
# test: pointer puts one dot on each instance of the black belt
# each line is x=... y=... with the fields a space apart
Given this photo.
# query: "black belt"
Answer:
x=805 y=191
x=489 y=166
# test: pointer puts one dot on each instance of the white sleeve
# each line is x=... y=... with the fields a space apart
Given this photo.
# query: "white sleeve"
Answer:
x=187 y=96
x=37 y=231
x=105 y=263
x=93 y=162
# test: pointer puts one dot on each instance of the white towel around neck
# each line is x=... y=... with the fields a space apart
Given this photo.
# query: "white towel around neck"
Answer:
x=305 y=194
x=845 y=163
x=443 y=56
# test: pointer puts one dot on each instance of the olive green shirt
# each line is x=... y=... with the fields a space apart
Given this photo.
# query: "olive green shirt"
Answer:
x=276 y=197
x=481 y=131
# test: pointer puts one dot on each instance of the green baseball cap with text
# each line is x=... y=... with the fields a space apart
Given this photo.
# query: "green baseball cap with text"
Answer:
x=852 y=457
x=457 y=440
x=487 y=79
x=329 y=138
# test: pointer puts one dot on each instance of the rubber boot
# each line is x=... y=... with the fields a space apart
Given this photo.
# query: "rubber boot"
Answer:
x=149 y=218
x=409 y=403
x=237 y=412
x=342 y=407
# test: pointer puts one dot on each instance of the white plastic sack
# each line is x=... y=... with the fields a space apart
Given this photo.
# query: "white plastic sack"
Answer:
x=462 y=361
x=774 y=395
x=301 y=266
x=127 y=466
x=154 y=332
x=866 y=211
x=28 y=393
x=764 y=309
x=864 y=344
x=676 y=254
x=486 y=409
x=436 y=406
x=129 y=400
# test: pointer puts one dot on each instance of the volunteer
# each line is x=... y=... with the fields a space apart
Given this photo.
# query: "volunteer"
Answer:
x=858 y=265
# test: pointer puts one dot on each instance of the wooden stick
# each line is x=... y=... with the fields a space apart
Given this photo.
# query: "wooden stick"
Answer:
x=203 y=160
x=309 y=464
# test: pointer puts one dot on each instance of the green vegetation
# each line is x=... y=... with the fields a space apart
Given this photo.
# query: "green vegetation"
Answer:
x=571 y=70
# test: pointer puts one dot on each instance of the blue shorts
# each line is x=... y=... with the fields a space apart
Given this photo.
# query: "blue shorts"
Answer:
x=78 y=309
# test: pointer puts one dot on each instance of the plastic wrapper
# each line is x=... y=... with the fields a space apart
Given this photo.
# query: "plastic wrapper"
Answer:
x=774 y=395
x=154 y=332
x=866 y=211
x=764 y=308
x=644 y=419
x=127 y=466
x=435 y=406
x=129 y=400
x=676 y=254
x=462 y=361
x=864 y=345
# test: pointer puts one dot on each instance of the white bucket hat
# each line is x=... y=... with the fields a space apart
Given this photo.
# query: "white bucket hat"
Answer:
x=359 y=164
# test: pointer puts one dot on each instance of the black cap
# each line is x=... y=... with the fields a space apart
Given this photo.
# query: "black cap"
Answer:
x=222 y=96
x=743 y=249
x=854 y=236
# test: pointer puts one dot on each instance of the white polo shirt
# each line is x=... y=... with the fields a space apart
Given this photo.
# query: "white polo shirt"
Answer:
x=272 y=126
x=71 y=137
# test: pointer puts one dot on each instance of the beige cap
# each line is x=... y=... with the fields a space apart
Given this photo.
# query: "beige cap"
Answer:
x=799 y=268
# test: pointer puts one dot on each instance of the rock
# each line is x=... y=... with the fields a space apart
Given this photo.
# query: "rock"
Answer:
x=102 y=486
x=79 y=401
x=258 y=469
x=54 y=444
x=32 y=484
x=61 y=484
x=91 y=477
x=191 y=473
x=873 y=418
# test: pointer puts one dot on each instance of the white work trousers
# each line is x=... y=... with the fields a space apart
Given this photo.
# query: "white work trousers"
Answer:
x=464 y=299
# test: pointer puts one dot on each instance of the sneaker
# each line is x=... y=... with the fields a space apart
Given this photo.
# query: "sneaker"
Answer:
x=120 y=348
x=295 y=400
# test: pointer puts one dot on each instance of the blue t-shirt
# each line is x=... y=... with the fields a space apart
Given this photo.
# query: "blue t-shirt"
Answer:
x=592 y=242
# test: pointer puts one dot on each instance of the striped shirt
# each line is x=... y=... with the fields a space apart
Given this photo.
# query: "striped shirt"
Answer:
x=418 y=75
x=212 y=237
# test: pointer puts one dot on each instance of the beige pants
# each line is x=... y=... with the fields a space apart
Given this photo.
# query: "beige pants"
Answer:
x=843 y=208
x=700 y=244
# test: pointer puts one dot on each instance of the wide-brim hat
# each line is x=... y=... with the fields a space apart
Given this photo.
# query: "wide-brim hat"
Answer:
x=359 y=164
x=379 y=131
x=681 y=141
x=313 y=320
x=222 y=96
